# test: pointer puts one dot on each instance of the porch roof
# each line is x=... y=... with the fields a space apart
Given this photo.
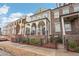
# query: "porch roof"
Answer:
x=70 y=16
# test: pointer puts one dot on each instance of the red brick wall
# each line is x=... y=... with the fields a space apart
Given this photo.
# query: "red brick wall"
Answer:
x=75 y=24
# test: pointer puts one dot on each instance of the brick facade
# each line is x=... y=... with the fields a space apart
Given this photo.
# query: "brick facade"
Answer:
x=60 y=9
x=50 y=20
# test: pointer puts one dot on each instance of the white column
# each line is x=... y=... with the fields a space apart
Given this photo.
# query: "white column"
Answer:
x=36 y=28
x=41 y=30
x=30 y=28
x=14 y=29
x=46 y=29
x=63 y=30
x=24 y=29
x=21 y=27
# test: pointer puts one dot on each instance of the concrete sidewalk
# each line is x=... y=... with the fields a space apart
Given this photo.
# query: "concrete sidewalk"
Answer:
x=3 y=53
x=42 y=51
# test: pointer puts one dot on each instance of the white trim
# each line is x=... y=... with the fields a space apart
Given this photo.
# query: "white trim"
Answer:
x=63 y=28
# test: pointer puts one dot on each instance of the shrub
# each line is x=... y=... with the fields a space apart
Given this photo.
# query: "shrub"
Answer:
x=77 y=49
x=59 y=40
x=29 y=40
x=24 y=40
x=35 y=41
x=17 y=40
x=51 y=39
x=20 y=39
x=72 y=44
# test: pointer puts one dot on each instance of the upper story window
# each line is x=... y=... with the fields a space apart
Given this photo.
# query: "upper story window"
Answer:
x=38 y=17
x=56 y=14
x=57 y=27
x=45 y=15
x=76 y=7
x=33 y=18
x=65 y=10
x=27 y=31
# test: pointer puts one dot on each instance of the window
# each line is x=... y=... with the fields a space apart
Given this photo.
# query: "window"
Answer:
x=56 y=14
x=34 y=18
x=38 y=17
x=45 y=15
x=76 y=8
x=65 y=10
x=33 y=31
x=43 y=31
x=67 y=26
x=57 y=27
x=27 y=31
x=23 y=31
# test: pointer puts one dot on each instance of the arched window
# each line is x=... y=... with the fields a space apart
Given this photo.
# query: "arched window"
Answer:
x=17 y=28
x=41 y=27
x=27 y=31
x=33 y=29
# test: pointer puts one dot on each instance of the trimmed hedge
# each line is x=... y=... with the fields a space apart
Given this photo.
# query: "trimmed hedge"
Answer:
x=72 y=44
x=32 y=41
x=35 y=41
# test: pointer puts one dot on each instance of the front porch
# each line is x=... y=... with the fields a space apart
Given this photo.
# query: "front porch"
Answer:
x=70 y=26
x=38 y=27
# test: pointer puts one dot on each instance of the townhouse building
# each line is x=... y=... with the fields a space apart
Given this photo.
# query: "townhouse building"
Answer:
x=62 y=21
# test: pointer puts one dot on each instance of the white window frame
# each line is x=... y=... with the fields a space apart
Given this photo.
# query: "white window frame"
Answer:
x=56 y=14
x=38 y=17
x=57 y=27
x=66 y=10
x=68 y=26
x=45 y=15
x=76 y=7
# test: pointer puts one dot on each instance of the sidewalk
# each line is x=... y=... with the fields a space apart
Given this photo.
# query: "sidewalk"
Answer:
x=42 y=51
x=2 y=53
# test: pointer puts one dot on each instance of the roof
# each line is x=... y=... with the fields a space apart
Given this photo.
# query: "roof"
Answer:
x=40 y=12
x=61 y=6
x=69 y=13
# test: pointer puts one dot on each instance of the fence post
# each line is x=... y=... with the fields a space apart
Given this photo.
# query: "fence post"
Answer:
x=28 y=38
x=41 y=41
x=67 y=44
x=55 y=43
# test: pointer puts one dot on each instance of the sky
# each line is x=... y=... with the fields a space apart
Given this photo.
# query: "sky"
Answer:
x=12 y=11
